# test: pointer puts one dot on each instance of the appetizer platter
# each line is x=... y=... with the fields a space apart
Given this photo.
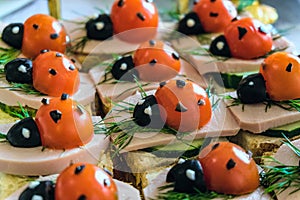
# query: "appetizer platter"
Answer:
x=148 y=99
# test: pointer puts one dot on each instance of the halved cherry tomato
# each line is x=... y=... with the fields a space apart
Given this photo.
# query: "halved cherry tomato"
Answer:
x=215 y=15
x=228 y=169
x=85 y=181
x=63 y=123
x=281 y=72
x=53 y=74
x=248 y=38
x=43 y=32
x=139 y=18
x=184 y=105
x=156 y=61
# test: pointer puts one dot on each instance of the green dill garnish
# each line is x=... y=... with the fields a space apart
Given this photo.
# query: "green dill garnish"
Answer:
x=243 y=4
x=16 y=111
x=8 y=54
x=79 y=44
x=23 y=87
x=166 y=193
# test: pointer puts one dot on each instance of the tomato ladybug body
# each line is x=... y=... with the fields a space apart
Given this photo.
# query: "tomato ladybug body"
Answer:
x=156 y=61
x=245 y=38
x=63 y=123
x=85 y=181
x=208 y=17
x=53 y=74
x=228 y=169
x=138 y=18
x=39 y=32
x=281 y=72
x=184 y=105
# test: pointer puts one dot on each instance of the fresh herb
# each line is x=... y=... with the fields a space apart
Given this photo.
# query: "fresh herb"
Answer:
x=3 y=137
x=14 y=111
x=23 y=87
x=166 y=193
x=243 y=4
x=8 y=54
x=280 y=177
x=79 y=44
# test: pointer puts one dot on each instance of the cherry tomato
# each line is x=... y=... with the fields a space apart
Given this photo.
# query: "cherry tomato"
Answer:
x=281 y=72
x=184 y=105
x=248 y=38
x=53 y=74
x=228 y=169
x=215 y=15
x=156 y=61
x=63 y=123
x=138 y=17
x=43 y=32
x=85 y=181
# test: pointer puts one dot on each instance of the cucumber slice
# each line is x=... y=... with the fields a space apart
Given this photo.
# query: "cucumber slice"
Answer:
x=176 y=150
x=290 y=130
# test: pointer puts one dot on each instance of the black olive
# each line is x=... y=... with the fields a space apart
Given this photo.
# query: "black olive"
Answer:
x=13 y=35
x=188 y=176
x=219 y=47
x=24 y=133
x=100 y=28
x=123 y=69
x=252 y=89
x=190 y=24
x=42 y=189
x=146 y=113
x=19 y=70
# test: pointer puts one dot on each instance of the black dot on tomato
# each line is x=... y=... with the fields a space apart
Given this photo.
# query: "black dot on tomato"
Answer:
x=64 y=96
x=35 y=26
x=175 y=56
x=45 y=101
x=162 y=84
x=230 y=164
x=79 y=169
x=180 y=107
x=82 y=197
x=215 y=146
x=242 y=32
x=212 y=14
x=55 y=115
x=58 y=54
x=54 y=36
x=52 y=72
x=153 y=62
x=140 y=16
x=120 y=3
x=44 y=50
x=289 y=67
x=180 y=83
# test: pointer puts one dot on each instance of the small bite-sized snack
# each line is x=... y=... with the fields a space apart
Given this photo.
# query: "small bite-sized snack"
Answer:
x=38 y=32
x=183 y=105
x=228 y=169
x=60 y=123
x=51 y=73
x=278 y=80
x=244 y=38
x=208 y=16
x=153 y=61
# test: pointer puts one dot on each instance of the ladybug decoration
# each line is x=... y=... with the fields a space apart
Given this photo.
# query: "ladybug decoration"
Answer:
x=181 y=105
x=245 y=38
x=60 y=123
x=153 y=61
x=38 y=32
x=139 y=18
x=208 y=16
x=78 y=181
x=221 y=167
x=51 y=73
x=278 y=79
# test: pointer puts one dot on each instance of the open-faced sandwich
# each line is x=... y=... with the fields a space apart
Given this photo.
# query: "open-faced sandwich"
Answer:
x=266 y=103
x=222 y=170
x=151 y=129
x=78 y=181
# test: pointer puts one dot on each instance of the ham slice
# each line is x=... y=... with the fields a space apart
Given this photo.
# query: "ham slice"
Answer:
x=38 y=161
x=221 y=124
x=125 y=191
x=85 y=95
x=256 y=119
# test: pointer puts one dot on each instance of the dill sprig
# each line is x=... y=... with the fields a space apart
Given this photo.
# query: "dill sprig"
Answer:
x=243 y=4
x=170 y=194
x=109 y=65
x=23 y=87
x=79 y=44
x=8 y=54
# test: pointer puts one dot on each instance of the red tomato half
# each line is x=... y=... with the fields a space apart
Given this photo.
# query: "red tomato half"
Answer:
x=228 y=169
x=85 y=181
x=54 y=74
x=156 y=61
x=134 y=21
x=63 y=124
x=43 y=32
